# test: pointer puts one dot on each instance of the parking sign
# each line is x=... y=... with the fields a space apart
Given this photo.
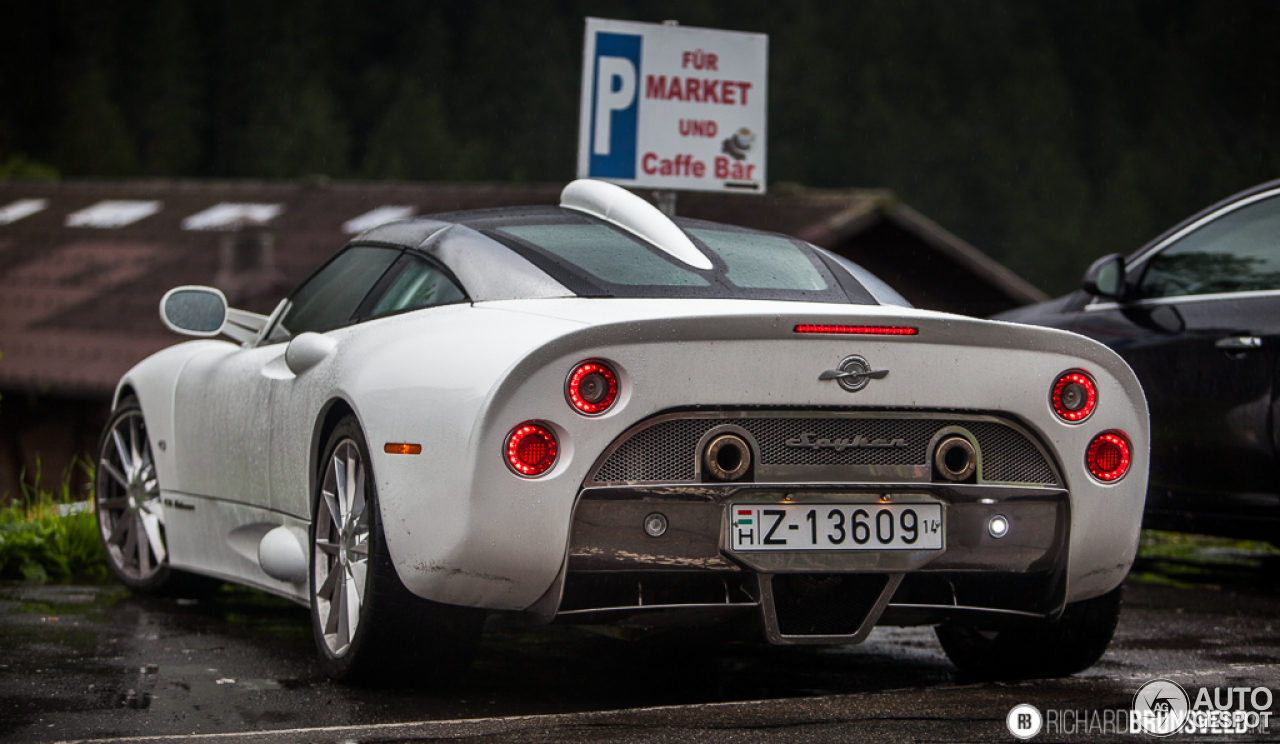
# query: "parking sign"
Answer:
x=673 y=107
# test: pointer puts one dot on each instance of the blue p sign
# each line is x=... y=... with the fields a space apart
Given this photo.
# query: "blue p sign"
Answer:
x=615 y=106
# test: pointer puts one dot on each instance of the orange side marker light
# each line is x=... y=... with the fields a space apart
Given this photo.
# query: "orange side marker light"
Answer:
x=401 y=448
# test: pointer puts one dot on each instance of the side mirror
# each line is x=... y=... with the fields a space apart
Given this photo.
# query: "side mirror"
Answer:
x=1105 y=277
x=194 y=311
x=306 y=350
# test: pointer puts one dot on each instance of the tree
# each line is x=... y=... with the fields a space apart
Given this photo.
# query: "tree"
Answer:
x=412 y=142
x=165 y=97
x=93 y=139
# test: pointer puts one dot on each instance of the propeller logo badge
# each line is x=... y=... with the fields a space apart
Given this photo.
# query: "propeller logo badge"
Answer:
x=853 y=374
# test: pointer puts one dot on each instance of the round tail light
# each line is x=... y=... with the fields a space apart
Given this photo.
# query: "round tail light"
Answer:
x=1074 y=396
x=592 y=387
x=531 y=449
x=1108 y=456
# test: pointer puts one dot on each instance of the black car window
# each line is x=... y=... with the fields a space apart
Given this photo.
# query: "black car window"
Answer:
x=417 y=285
x=330 y=297
x=1238 y=252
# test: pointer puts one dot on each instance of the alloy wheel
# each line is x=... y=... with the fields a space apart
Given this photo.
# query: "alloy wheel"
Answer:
x=341 y=552
x=130 y=513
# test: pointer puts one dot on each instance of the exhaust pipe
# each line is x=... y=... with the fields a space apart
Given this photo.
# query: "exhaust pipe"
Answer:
x=955 y=459
x=728 y=457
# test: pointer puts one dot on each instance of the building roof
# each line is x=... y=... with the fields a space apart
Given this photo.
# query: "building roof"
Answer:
x=83 y=263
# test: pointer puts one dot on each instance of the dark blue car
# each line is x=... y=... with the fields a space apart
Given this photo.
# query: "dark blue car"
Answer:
x=1196 y=314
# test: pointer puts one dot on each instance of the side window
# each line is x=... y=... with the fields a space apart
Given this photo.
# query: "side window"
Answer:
x=1238 y=252
x=418 y=285
x=330 y=297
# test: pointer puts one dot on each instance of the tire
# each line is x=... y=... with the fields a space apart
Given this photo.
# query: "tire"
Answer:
x=131 y=522
x=1070 y=644
x=368 y=628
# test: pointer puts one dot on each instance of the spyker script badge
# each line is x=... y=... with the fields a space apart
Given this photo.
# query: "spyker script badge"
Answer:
x=809 y=440
x=853 y=374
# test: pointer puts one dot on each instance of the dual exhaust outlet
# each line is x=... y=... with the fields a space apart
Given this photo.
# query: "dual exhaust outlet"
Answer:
x=728 y=458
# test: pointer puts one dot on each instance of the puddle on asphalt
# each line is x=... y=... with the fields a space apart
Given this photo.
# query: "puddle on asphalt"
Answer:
x=133 y=700
x=18 y=597
x=244 y=658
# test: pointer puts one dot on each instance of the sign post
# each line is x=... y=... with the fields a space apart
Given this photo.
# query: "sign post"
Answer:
x=673 y=108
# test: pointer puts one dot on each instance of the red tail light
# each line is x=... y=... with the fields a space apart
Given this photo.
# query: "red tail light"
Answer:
x=531 y=449
x=1108 y=456
x=1074 y=396
x=858 y=330
x=592 y=387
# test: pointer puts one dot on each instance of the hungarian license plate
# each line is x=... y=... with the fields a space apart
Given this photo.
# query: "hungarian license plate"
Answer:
x=835 y=526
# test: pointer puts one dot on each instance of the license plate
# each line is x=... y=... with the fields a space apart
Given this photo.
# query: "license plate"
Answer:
x=835 y=526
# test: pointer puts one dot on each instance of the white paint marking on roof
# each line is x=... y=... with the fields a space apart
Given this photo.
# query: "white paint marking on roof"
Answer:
x=113 y=213
x=374 y=218
x=21 y=208
x=229 y=216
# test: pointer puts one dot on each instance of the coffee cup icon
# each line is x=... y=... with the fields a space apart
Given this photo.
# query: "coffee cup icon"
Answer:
x=737 y=145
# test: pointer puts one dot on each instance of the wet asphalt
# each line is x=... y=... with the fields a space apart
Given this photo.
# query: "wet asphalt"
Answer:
x=92 y=662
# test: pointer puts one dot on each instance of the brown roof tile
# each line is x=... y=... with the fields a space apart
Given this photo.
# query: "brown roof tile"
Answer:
x=78 y=305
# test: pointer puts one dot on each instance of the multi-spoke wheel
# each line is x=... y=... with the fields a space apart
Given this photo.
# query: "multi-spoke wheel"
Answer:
x=341 y=546
x=368 y=626
x=130 y=514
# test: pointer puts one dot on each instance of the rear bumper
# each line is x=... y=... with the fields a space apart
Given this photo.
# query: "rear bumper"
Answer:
x=616 y=573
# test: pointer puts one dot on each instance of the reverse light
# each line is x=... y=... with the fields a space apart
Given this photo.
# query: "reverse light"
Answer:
x=1074 y=396
x=531 y=449
x=1108 y=456
x=858 y=330
x=591 y=388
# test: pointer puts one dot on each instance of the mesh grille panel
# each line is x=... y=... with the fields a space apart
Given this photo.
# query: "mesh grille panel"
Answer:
x=667 y=452
x=1009 y=457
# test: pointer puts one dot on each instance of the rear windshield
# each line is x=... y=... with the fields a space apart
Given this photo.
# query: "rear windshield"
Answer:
x=595 y=258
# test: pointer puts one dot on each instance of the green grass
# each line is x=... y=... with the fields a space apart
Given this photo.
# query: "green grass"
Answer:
x=1182 y=560
x=47 y=535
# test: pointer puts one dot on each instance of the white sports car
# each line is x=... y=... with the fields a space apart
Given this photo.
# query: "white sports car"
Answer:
x=598 y=415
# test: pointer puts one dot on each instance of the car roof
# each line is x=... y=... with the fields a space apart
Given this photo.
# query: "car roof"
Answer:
x=1164 y=236
x=605 y=241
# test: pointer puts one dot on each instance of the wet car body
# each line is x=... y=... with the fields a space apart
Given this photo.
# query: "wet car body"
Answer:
x=1197 y=316
x=594 y=414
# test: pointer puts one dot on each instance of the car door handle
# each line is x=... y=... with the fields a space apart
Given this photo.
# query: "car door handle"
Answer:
x=1238 y=343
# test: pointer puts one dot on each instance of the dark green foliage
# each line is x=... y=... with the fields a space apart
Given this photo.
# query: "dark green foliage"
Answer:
x=412 y=141
x=50 y=534
x=23 y=167
x=92 y=138
x=1047 y=133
